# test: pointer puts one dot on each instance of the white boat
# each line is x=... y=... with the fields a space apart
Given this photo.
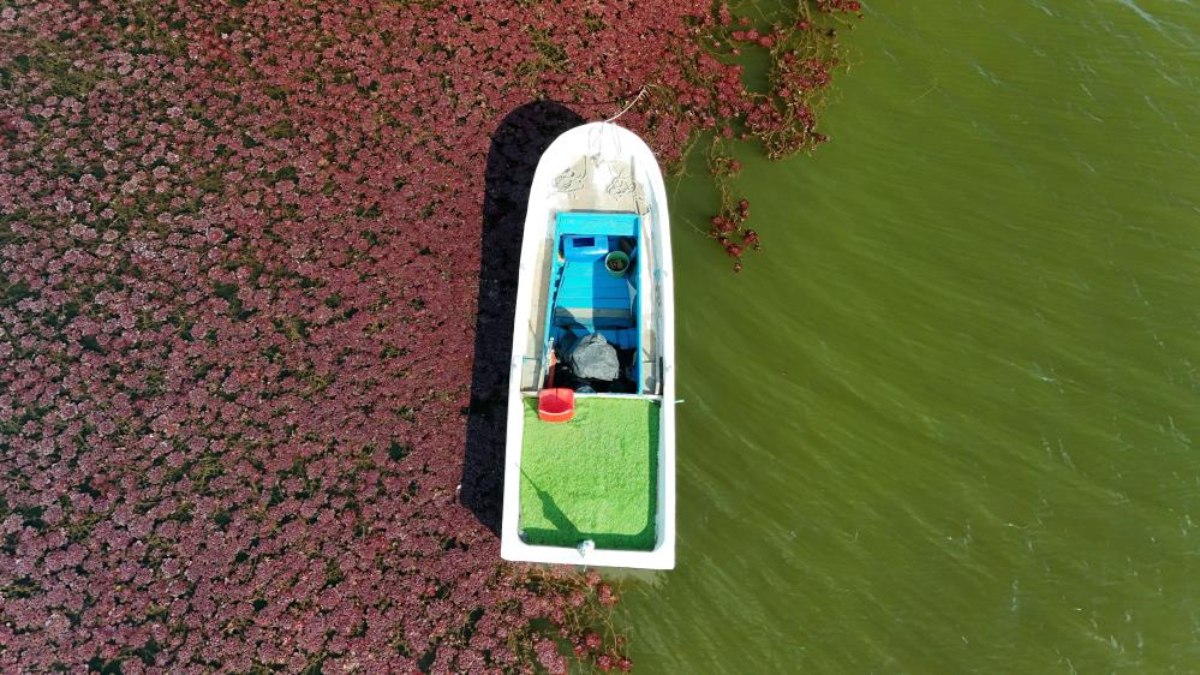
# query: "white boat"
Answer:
x=590 y=457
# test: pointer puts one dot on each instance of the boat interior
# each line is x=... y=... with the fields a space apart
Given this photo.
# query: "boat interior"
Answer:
x=598 y=475
x=594 y=291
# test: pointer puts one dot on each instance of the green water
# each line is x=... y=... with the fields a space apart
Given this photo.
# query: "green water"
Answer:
x=946 y=422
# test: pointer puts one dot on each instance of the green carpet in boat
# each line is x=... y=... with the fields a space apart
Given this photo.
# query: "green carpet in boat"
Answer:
x=595 y=477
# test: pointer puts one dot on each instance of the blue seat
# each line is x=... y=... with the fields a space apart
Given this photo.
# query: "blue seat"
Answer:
x=580 y=247
x=613 y=224
x=621 y=338
x=587 y=295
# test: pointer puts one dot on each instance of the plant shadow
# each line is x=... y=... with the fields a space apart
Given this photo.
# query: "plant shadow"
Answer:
x=517 y=145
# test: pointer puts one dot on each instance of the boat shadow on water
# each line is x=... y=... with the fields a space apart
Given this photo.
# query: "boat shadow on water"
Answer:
x=517 y=145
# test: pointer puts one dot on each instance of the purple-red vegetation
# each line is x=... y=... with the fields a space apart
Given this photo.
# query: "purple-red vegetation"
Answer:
x=803 y=54
x=239 y=265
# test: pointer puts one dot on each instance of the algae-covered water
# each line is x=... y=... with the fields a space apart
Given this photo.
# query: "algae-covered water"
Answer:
x=947 y=421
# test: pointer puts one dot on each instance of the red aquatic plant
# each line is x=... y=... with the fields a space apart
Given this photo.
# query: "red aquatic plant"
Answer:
x=239 y=254
x=803 y=53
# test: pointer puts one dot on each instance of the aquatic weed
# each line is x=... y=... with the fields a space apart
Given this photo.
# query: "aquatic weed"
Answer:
x=237 y=255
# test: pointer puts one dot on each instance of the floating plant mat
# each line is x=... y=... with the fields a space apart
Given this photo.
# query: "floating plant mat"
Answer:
x=595 y=477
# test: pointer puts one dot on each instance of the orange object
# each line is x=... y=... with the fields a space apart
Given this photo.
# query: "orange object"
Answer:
x=556 y=405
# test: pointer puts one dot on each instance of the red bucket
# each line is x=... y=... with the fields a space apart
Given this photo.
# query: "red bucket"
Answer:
x=556 y=405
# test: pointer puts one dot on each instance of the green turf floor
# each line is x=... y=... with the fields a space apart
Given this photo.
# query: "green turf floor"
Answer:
x=595 y=477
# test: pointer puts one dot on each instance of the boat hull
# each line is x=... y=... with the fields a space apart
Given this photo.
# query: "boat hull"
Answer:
x=593 y=173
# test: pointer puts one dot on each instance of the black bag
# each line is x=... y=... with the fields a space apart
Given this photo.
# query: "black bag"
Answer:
x=593 y=358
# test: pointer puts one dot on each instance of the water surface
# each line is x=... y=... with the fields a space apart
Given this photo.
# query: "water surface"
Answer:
x=946 y=421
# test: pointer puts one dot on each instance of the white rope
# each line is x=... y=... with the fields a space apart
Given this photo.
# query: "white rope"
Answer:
x=628 y=107
x=570 y=180
x=595 y=142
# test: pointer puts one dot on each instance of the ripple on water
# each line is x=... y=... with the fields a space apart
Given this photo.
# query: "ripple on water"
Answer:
x=944 y=423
